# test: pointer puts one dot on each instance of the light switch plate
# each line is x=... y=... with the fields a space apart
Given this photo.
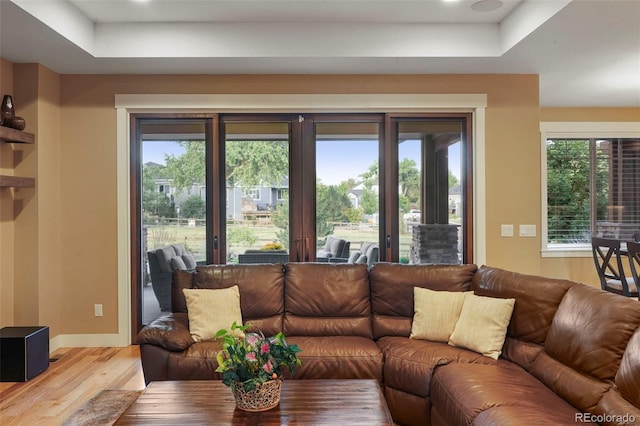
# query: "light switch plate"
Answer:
x=506 y=230
x=527 y=230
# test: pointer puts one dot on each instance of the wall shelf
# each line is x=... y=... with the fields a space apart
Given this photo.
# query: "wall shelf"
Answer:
x=16 y=182
x=10 y=135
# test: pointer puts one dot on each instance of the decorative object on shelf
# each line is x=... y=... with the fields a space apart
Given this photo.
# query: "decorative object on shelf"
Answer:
x=8 y=116
x=252 y=364
x=7 y=109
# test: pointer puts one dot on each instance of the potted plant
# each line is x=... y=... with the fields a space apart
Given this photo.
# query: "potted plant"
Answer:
x=252 y=365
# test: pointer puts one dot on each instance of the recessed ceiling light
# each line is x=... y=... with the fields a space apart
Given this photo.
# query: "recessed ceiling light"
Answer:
x=486 y=5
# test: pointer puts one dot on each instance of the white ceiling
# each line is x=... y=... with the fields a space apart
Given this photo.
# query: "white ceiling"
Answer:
x=587 y=52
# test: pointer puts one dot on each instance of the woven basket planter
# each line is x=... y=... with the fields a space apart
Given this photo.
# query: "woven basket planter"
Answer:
x=264 y=397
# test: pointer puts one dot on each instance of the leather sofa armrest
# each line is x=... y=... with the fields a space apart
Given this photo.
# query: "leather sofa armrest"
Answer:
x=170 y=332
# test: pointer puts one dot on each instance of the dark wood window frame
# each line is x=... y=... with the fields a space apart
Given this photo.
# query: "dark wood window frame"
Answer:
x=302 y=157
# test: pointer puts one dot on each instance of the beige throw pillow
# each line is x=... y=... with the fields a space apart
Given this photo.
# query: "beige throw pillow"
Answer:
x=482 y=326
x=212 y=310
x=435 y=313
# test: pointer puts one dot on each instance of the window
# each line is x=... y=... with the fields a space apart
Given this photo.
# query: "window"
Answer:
x=282 y=194
x=592 y=189
x=254 y=193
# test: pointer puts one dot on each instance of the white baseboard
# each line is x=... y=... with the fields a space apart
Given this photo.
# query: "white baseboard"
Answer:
x=84 y=341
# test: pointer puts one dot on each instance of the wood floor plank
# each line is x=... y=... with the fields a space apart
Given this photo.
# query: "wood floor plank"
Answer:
x=76 y=376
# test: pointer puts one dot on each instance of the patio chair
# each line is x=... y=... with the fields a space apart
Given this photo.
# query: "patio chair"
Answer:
x=334 y=248
x=162 y=263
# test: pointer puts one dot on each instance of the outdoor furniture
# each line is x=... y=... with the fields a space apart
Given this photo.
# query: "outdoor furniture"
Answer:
x=369 y=254
x=162 y=263
x=334 y=248
x=608 y=261
x=264 y=256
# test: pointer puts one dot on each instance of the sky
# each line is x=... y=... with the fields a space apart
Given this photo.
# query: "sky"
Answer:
x=336 y=161
x=155 y=151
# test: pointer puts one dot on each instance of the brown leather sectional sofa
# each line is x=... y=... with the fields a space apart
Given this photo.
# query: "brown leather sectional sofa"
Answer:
x=572 y=352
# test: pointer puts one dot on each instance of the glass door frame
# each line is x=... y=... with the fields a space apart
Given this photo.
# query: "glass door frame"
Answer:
x=135 y=157
x=309 y=184
x=391 y=187
x=302 y=197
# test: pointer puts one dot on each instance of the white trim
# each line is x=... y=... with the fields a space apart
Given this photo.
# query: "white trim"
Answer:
x=479 y=188
x=127 y=104
x=578 y=251
x=85 y=341
x=572 y=130
x=590 y=129
x=124 y=228
x=301 y=102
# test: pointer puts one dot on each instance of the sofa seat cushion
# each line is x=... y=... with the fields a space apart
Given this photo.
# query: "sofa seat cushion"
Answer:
x=409 y=363
x=495 y=394
x=197 y=362
x=337 y=357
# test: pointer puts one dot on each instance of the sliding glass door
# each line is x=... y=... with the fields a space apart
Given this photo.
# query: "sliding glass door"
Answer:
x=256 y=191
x=274 y=188
x=169 y=211
x=347 y=190
x=433 y=180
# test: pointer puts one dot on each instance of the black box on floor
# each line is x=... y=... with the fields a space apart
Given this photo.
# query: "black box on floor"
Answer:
x=24 y=353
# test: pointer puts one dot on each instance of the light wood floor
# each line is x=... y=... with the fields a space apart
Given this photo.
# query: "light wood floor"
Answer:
x=78 y=375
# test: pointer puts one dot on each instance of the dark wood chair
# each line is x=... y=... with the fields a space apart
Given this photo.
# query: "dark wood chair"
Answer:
x=633 y=250
x=608 y=260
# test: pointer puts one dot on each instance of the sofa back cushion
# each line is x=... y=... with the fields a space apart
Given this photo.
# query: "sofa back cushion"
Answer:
x=392 y=291
x=628 y=375
x=324 y=299
x=537 y=299
x=585 y=344
x=261 y=291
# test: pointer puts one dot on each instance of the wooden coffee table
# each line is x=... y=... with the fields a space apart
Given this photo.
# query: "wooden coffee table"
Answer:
x=302 y=402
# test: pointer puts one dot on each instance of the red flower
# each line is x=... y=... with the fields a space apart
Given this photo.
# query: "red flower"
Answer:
x=268 y=367
x=264 y=348
x=251 y=356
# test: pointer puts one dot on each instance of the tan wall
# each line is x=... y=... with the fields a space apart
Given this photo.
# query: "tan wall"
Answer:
x=50 y=246
x=6 y=212
x=86 y=208
x=30 y=217
x=89 y=151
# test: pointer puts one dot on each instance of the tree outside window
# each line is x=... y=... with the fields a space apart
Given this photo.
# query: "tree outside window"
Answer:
x=593 y=189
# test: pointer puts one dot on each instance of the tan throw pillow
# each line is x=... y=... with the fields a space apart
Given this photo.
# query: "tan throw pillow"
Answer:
x=482 y=326
x=435 y=313
x=212 y=310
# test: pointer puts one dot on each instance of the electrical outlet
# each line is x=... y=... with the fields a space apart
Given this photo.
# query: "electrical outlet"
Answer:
x=97 y=310
x=506 y=230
